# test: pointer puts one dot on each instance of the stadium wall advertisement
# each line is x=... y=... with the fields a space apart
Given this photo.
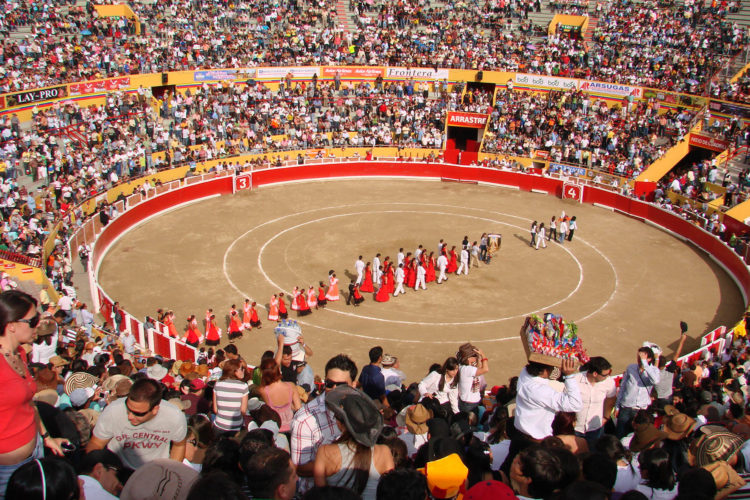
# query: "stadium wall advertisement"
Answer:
x=193 y=189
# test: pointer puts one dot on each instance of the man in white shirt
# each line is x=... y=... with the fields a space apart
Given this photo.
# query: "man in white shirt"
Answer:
x=598 y=396
x=421 y=274
x=360 y=267
x=464 y=265
x=400 y=257
x=399 y=280
x=98 y=472
x=442 y=263
x=66 y=305
x=376 y=268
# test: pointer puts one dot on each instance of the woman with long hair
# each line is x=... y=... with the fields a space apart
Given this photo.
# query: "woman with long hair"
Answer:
x=23 y=435
x=273 y=308
x=452 y=261
x=192 y=334
x=281 y=396
x=628 y=476
x=354 y=460
x=442 y=385
x=472 y=365
x=367 y=285
x=230 y=397
x=213 y=333
x=430 y=275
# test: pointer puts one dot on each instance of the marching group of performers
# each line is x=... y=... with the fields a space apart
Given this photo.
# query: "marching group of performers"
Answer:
x=382 y=279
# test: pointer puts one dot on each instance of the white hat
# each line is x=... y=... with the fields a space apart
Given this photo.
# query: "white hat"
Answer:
x=156 y=372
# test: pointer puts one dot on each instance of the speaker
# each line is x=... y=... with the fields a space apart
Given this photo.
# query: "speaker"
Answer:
x=480 y=75
x=164 y=78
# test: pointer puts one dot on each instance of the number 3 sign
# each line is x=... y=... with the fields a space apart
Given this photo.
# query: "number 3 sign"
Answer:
x=243 y=182
x=572 y=191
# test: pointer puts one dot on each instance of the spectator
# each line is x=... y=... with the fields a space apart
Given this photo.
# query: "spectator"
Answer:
x=141 y=427
x=472 y=365
x=98 y=471
x=371 y=379
x=635 y=389
x=230 y=397
x=281 y=396
x=315 y=425
x=442 y=385
x=536 y=473
x=402 y=484
x=271 y=474
x=598 y=396
x=658 y=478
x=46 y=478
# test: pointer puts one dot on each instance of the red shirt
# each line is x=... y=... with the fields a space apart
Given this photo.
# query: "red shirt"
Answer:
x=17 y=416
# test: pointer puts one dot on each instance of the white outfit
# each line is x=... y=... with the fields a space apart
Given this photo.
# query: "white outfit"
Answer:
x=399 y=281
x=400 y=258
x=541 y=238
x=421 y=273
x=430 y=385
x=537 y=402
x=94 y=490
x=464 y=265
x=442 y=263
x=375 y=270
x=360 y=267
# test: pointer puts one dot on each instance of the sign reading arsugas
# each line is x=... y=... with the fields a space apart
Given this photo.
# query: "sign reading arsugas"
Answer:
x=36 y=95
x=471 y=120
x=611 y=89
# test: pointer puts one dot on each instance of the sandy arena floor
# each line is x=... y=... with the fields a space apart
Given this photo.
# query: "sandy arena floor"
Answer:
x=621 y=280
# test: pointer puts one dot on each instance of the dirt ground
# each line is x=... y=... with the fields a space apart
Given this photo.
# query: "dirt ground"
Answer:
x=620 y=280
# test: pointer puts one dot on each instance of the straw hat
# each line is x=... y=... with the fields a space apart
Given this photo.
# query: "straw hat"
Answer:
x=79 y=380
x=677 y=425
x=186 y=368
x=715 y=444
x=416 y=419
x=646 y=436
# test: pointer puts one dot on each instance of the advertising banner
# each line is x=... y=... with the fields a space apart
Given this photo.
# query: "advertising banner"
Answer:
x=109 y=84
x=471 y=120
x=417 y=73
x=612 y=89
x=566 y=169
x=282 y=71
x=730 y=109
x=218 y=74
x=546 y=81
x=708 y=142
x=31 y=96
x=353 y=71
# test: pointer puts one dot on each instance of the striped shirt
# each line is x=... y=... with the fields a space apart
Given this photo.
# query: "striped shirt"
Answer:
x=229 y=394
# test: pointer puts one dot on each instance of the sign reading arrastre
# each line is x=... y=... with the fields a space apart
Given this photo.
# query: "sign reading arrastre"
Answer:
x=472 y=120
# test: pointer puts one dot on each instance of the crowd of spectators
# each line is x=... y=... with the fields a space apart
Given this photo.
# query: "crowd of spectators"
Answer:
x=656 y=44
x=92 y=414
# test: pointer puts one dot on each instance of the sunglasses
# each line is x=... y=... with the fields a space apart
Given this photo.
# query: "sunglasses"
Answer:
x=138 y=413
x=32 y=322
x=330 y=384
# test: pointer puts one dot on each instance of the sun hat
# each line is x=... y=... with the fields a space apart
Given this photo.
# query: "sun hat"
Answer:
x=725 y=477
x=646 y=436
x=156 y=372
x=677 y=425
x=159 y=479
x=110 y=383
x=179 y=403
x=388 y=360
x=416 y=419
x=185 y=369
x=46 y=379
x=446 y=478
x=490 y=490
x=48 y=396
x=47 y=326
x=58 y=361
x=79 y=396
x=358 y=413
x=79 y=380
x=176 y=367
x=715 y=443
x=202 y=370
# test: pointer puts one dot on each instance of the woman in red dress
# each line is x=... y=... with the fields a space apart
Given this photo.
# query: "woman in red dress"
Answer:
x=283 y=314
x=312 y=300
x=383 y=294
x=452 y=261
x=213 y=334
x=254 y=319
x=388 y=281
x=302 y=308
x=322 y=301
x=273 y=308
x=412 y=281
x=358 y=299
x=192 y=334
x=367 y=281
x=169 y=321
x=235 y=326
x=293 y=304
x=430 y=274
x=407 y=269
x=246 y=315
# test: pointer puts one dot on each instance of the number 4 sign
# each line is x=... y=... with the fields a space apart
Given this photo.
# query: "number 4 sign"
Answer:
x=242 y=182
x=572 y=191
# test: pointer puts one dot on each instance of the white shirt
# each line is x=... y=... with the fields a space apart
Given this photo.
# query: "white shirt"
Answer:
x=359 y=266
x=537 y=403
x=468 y=384
x=442 y=262
x=464 y=255
x=431 y=385
x=94 y=490
x=591 y=416
x=399 y=258
x=400 y=275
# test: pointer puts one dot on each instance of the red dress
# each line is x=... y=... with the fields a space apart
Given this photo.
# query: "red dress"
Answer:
x=254 y=320
x=367 y=281
x=407 y=271
x=452 y=262
x=383 y=294
x=333 y=288
x=412 y=281
x=388 y=282
x=430 y=274
x=273 y=309
x=302 y=308
x=170 y=326
x=358 y=299
x=282 y=309
x=212 y=334
x=322 y=301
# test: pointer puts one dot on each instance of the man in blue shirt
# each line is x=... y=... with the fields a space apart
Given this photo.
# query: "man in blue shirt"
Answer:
x=371 y=379
x=635 y=389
